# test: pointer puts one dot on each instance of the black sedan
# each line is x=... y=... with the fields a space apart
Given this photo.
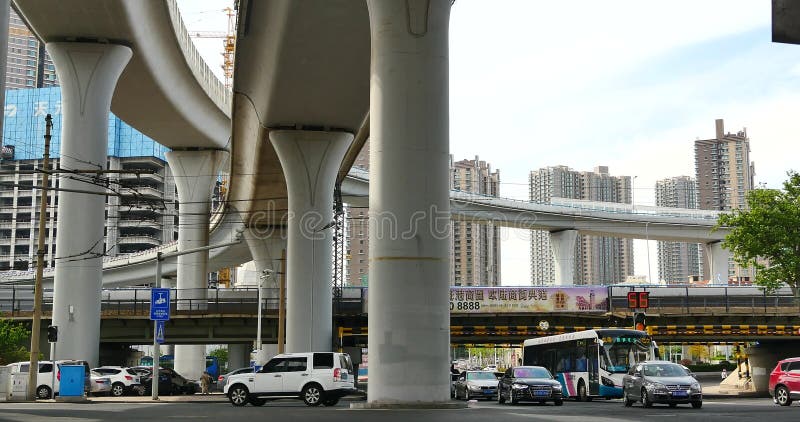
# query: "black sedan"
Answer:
x=169 y=382
x=529 y=383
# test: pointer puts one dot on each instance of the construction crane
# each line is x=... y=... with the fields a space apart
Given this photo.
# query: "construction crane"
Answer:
x=228 y=44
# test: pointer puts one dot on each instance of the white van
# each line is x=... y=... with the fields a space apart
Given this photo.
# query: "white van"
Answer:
x=316 y=378
x=47 y=382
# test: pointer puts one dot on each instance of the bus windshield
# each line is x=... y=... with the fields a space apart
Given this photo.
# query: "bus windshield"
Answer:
x=620 y=353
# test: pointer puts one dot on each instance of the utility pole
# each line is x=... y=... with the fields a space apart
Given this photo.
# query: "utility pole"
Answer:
x=33 y=372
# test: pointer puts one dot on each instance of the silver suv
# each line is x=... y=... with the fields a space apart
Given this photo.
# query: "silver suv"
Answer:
x=316 y=378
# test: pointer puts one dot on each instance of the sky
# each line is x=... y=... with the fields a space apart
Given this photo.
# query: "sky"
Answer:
x=627 y=84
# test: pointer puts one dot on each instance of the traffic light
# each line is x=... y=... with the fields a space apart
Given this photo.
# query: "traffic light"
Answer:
x=644 y=300
x=639 y=322
x=52 y=333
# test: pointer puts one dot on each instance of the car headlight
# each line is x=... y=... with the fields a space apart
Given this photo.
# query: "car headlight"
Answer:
x=657 y=387
x=556 y=387
x=696 y=387
x=519 y=386
x=474 y=388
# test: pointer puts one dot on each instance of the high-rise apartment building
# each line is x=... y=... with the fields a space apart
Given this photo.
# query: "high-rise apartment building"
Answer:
x=677 y=261
x=140 y=211
x=357 y=234
x=475 y=250
x=28 y=65
x=724 y=176
x=598 y=259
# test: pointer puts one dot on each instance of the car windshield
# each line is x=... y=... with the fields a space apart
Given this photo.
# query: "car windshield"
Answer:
x=531 y=373
x=664 y=370
x=480 y=376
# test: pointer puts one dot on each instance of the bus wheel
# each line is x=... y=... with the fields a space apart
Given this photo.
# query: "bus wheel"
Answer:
x=582 y=396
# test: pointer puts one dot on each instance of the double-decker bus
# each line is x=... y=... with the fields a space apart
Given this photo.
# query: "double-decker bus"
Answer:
x=590 y=363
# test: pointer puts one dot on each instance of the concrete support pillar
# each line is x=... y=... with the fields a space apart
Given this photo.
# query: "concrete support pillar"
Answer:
x=717 y=261
x=238 y=356
x=266 y=247
x=310 y=161
x=88 y=74
x=195 y=173
x=563 y=245
x=409 y=224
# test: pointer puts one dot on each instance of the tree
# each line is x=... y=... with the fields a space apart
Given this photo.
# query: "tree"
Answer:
x=222 y=356
x=766 y=235
x=12 y=338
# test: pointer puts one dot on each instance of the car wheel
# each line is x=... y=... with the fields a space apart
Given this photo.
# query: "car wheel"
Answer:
x=238 y=395
x=558 y=402
x=582 y=395
x=626 y=400
x=312 y=394
x=257 y=401
x=43 y=392
x=139 y=390
x=330 y=402
x=646 y=399
x=500 y=399
x=697 y=404
x=117 y=389
x=782 y=396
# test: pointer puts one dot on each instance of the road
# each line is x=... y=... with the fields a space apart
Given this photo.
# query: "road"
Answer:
x=600 y=411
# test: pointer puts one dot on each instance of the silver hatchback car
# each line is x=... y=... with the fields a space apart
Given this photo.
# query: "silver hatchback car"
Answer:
x=661 y=382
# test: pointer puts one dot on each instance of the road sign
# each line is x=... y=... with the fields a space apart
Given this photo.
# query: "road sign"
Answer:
x=160 y=332
x=159 y=304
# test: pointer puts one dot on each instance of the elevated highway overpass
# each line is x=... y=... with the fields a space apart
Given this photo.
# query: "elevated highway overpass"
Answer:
x=304 y=76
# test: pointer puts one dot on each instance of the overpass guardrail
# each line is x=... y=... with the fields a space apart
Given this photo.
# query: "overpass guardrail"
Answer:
x=17 y=301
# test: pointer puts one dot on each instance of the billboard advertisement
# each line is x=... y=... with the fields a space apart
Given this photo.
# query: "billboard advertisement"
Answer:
x=528 y=299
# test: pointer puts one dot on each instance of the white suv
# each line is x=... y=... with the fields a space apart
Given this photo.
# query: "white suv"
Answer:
x=123 y=380
x=321 y=377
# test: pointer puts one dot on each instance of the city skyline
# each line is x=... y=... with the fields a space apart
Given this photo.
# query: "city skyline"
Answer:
x=618 y=87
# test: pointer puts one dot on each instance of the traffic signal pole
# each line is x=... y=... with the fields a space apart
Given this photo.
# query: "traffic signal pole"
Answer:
x=36 y=323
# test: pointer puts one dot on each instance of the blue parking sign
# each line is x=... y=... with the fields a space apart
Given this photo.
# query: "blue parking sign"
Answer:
x=159 y=304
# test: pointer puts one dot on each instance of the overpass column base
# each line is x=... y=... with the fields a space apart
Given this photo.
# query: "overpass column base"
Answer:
x=563 y=245
x=310 y=161
x=409 y=221
x=238 y=356
x=88 y=73
x=190 y=360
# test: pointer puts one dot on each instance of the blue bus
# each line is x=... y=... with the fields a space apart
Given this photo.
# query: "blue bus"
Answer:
x=590 y=363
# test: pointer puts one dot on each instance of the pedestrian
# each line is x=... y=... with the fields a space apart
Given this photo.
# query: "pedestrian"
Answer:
x=205 y=381
x=724 y=374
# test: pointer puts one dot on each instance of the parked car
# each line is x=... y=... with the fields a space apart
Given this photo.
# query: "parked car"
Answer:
x=476 y=384
x=223 y=379
x=100 y=384
x=529 y=383
x=661 y=382
x=169 y=381
x=316 y=378
x=123 y=380
x=784 y=381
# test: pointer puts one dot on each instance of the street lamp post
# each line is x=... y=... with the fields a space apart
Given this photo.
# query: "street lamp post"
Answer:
x=259 y=347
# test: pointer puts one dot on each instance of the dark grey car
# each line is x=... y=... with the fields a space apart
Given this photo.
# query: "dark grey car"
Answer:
x=661 y=382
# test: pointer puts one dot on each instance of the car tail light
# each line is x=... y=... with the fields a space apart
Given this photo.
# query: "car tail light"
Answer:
x=220 y=378
x=58 y=375
x=337 y=374
x=128 y=378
